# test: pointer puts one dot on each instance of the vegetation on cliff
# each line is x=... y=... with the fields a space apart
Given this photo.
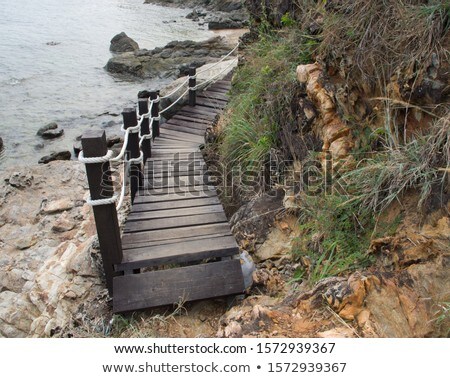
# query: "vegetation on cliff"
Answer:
x=345 y=106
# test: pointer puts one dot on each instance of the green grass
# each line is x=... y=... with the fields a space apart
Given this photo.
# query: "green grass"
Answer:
x=334 y=237
x=262 y=91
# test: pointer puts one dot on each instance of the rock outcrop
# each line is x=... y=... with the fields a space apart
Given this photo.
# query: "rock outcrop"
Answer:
x=61 y=155
x=50 y=131
x=122 y=43
x=169 y=61
x=333 y=131
x=49 y=271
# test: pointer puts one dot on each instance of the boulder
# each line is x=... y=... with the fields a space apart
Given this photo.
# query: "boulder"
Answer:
x=52 y=134
x=61 y=155
x=1 y=144
x=168 y=61
x=221 y=20
x=112 y=140
x=122 y=43
x=48 y=127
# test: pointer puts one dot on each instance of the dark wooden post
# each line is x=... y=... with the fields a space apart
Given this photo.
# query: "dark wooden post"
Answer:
x=192 y=84
x=155 y=113
x=145 y=129
x=100 y=186
x=133 y=151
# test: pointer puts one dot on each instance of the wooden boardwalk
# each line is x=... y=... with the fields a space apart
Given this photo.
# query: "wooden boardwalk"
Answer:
x=177 y=244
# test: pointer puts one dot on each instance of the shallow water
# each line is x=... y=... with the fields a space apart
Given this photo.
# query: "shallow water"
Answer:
x=51 y=66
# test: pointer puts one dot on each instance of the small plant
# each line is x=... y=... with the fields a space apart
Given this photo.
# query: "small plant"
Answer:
x=287 y=20
x=334 y=237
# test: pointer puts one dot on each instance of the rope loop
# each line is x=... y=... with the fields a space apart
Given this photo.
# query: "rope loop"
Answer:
x=131 y=130
x=95 y=160
x=103 y=201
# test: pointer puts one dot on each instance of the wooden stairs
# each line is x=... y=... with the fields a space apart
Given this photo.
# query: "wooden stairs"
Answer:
x=177 y=243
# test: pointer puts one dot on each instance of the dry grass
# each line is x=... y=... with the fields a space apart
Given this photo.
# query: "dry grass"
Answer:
x=389 y=35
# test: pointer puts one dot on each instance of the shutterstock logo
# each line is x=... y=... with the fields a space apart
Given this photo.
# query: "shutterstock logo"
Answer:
x=187 y=175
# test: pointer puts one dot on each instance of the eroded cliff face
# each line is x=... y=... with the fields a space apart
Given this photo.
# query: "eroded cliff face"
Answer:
x=341 y=100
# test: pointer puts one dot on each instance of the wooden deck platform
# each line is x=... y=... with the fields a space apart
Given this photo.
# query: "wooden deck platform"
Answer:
x=177 y=244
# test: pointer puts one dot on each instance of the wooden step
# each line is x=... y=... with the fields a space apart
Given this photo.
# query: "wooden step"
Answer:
x=152 y=197
x=174 y=223
x=177 y=253
x=169 y=212
x=159 y=237
x=175 y=204
x=167 y=287
x=177 y=182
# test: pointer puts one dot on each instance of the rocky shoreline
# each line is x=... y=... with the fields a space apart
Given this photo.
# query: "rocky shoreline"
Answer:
x=228 y=14
x=170 y=61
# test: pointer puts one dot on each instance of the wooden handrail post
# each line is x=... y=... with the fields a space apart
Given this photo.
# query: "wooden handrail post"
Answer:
x=100 y=187
x=133 y=152
x=145 y=128
x=155 y=113
x=192 y=84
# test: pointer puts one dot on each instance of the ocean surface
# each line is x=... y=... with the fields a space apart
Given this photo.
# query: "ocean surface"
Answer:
x=52 y=54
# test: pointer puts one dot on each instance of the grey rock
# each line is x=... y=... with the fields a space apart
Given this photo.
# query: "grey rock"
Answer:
x=61 y=155
x=112 y=140
x=166 y=62
x=39 y=146
x=20 y=180
x=122 y=43
x=256 y=217
x=50 y=126
x=52 y=134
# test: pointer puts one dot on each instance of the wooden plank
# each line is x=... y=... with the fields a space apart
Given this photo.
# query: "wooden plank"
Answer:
x=183 y=136
x=214 y=95
x=199 y=110
x=190 y=113
x=189 y=125
x=165 y=287
x=178 y=253
x=177 y=182
x=174 y=196
x=184 y=129
x=148 y=243
x=178 y=155
x=209 y=105
x=165 y=223
x=160 y=174
x=169 y=212
x=220 y=91
x=175 y=204
x=197 y=121
x=182 y=193
x=161 y=236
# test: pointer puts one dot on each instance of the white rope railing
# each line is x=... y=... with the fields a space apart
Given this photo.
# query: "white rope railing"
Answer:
x=176 y=89
x=108 y=157
x=213 y=78
x=174 y=102
x=220 y=61
x=208 y=81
